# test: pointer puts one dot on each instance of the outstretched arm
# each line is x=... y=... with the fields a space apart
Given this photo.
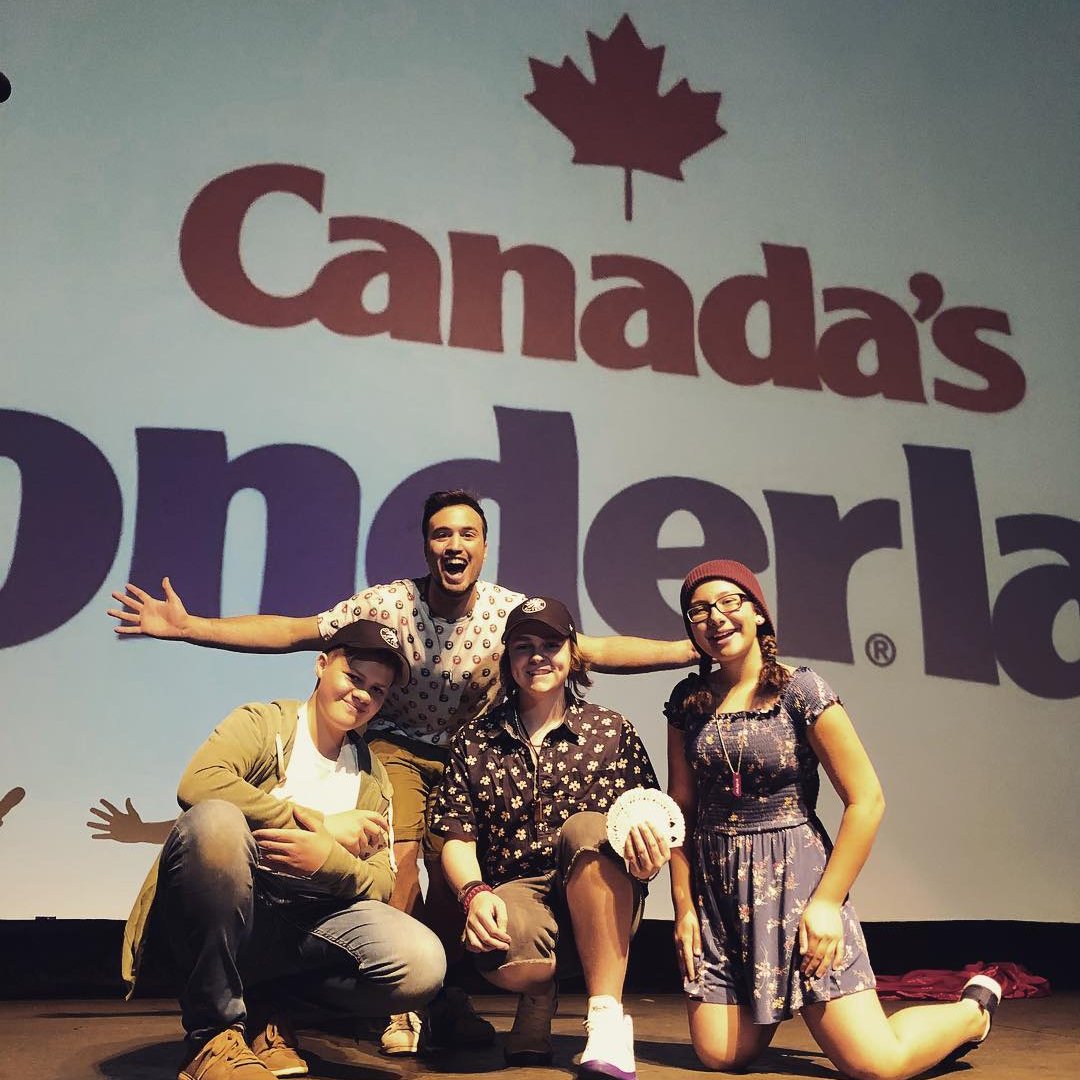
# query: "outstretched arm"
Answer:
x=844 y=759
x=168 y=618
x=630 y=655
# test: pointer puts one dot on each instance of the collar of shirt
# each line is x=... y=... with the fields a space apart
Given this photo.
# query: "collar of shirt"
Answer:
x=511 y=724
x=423 y=585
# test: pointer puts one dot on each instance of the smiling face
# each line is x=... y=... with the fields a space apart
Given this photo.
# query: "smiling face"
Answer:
x=726 y=636
x=539 y=660
x=455 y=549
x=352 y=688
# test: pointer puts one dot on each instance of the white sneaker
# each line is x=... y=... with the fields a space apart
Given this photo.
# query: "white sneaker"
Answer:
x=987 y=993
x=609 y=1051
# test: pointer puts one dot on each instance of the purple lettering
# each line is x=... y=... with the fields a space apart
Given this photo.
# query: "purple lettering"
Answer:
x=1027 y=605
x=816 y=548
x=185 y=484
x=535 y=485
x=69 y=525
x=953 y=593
x=623 y=562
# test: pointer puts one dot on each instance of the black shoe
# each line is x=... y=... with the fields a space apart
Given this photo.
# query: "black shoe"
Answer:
x=528 y=1042
x=451 y=1021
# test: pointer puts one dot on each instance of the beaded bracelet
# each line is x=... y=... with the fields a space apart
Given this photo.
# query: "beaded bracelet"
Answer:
x=466 y=887
x=471 y=891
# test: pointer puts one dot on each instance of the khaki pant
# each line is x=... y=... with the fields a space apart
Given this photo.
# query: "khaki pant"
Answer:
x=538 y=919
x=415 y=770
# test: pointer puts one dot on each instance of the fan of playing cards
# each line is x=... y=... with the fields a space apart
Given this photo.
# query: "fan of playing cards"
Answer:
x=644 y=804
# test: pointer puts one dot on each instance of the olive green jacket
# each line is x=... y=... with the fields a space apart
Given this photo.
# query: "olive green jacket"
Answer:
x=242 y=761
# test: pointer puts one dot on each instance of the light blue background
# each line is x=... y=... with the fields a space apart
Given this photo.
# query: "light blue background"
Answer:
x=885 y=138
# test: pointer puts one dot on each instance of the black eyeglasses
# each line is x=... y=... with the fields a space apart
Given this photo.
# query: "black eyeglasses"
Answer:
x=728 y=605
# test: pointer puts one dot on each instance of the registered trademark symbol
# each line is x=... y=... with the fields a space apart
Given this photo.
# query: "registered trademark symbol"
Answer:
x=880 y=650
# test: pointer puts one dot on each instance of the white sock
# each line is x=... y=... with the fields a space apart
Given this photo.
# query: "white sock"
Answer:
x=603 y=1002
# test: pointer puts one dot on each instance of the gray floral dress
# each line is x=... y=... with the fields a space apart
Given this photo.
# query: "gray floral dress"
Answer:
x=757 y=857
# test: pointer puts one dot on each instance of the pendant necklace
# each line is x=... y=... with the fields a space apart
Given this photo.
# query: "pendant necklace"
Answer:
x=530 y=740
x=736 y=770
x=534 y=754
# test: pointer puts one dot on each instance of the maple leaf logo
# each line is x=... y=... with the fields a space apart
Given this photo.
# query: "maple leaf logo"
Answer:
x=621 y=119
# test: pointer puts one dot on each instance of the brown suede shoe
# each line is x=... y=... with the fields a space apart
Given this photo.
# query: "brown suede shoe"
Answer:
x=276 y=1047
x=225 y=1057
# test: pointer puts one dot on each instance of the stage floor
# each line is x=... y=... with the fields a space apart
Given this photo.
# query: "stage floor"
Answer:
x=140 y=1040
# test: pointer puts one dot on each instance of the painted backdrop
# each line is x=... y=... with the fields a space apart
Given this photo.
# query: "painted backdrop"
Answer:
x=794 y=283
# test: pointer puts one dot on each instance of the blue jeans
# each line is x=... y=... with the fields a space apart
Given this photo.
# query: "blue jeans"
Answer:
x=247 y=940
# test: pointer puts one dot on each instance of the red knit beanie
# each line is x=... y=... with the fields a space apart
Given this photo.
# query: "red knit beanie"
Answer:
x=725 y=570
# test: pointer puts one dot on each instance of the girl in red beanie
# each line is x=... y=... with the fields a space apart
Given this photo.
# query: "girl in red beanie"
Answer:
x=763 y=926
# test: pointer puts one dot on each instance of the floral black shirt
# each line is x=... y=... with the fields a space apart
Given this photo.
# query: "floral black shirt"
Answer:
x=493 y=793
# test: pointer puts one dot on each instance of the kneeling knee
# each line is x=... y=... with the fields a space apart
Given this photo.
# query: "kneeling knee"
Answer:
x=215 y=834
x=584 y=831
x=425 y=963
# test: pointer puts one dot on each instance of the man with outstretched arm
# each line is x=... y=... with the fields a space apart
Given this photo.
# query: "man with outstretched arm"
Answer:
x=451 y=622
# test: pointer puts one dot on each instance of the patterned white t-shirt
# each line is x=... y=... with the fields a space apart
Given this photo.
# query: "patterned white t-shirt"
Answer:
x=455 y=663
